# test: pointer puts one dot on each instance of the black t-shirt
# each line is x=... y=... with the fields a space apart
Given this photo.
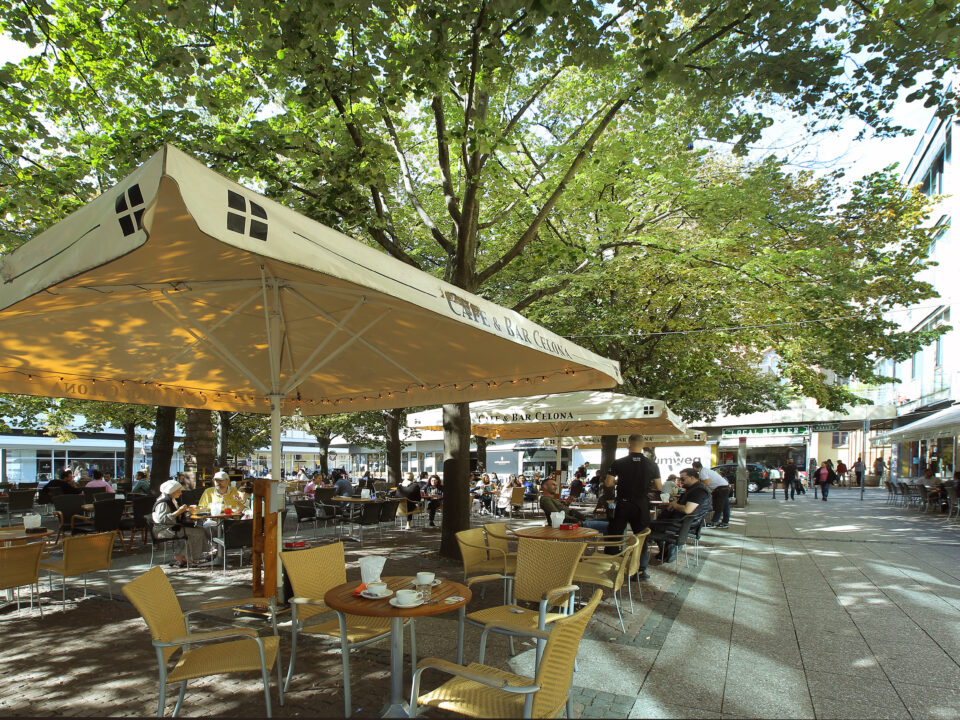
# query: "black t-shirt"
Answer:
x=635 y=473
x=700 y=494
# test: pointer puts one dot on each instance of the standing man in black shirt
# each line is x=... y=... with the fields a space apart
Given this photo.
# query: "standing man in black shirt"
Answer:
x=635 y=474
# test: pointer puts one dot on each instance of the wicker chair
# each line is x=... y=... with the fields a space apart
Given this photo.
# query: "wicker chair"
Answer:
x=477 y=690
x=409 y=512
x=312 y=573
x=19 y=566
x=610 y=571
x=229 y=650
x=82 y=554
x=498 y=537
x=480 y=559
x=544 y=576
x=516 y=501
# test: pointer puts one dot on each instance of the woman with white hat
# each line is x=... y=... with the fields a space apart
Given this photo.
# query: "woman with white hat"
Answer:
x=169 y=522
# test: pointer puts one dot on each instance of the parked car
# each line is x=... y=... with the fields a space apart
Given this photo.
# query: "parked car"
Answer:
x=758 y=477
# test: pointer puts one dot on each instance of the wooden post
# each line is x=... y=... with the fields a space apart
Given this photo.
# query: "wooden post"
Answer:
x=264 y=541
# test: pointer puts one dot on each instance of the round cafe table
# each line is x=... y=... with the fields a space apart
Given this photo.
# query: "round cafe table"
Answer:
x=545 y=532
x=342 y=599
x=16 y=532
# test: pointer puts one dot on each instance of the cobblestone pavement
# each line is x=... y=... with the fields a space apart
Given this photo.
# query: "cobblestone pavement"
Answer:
x=800 y=609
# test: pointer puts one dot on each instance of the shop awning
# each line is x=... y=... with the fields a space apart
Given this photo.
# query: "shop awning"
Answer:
x=945 y=423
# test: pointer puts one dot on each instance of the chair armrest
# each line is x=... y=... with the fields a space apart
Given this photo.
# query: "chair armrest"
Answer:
x=209 y=636
x=84 y=518
x=485 y=578
x=518 y=630
x=485 y=548
x=269 y=602
x=307 y=601
x=484 y=678
x=553 y=592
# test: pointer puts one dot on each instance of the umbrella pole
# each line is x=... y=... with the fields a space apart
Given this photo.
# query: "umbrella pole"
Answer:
x=274 y=535
x=559 y=461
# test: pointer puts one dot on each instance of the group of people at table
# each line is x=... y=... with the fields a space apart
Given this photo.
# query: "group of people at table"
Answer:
x=631 y=487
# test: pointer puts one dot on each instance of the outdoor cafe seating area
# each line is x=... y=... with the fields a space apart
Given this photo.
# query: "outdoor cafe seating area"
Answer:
x=512 y=594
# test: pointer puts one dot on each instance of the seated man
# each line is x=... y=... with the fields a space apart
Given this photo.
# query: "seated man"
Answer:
x=98 y=482
x=576 y=489
x=222 y=494
x=695 y=501
x=342 y=483
x=550 y=502
x=65 y=483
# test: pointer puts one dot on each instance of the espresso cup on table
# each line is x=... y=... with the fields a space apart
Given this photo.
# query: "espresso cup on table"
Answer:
x=377 y=587
x=408 y=597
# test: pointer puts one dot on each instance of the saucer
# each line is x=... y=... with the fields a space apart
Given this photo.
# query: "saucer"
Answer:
x=372 y=596
x=393 y=601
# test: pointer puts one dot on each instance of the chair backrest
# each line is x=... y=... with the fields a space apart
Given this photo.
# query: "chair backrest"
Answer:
x=556 y=665
x=543 y=565
x=19 y=565
x=633 y=567
x=153 y=597
x=87 y=553
x=306 y=510
x=103 y=496
x=388 y=510
x=107 y=514
x=142 y=505
x=68 y=506
x=379 y=486
x=323 y=494
x=371 y=513
x=684 y=530
x=89 y=493
x=21 y=500
x=516 y=496
x=238 y=534
x=191 y=497
x=497 y=536
x=924 y=493
x=312 y=572
x=406 y=508
x=472 y=545
x=124 y=487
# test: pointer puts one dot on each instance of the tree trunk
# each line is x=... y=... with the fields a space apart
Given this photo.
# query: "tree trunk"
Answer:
x=198 y=446
x=391 y=424
x=608 y=453
x=162 y=449
x=456 y=474
x=129 y=447
x=224 y=418
x=481 y=453
x=324 y=442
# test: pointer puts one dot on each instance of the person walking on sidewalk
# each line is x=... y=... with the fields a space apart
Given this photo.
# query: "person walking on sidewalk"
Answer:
x=825 y=476
x=789 y=480
x=879 y=468
x=842 y=472
x=858 y=471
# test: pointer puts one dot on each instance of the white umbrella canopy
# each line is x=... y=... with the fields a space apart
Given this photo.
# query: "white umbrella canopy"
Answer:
x=182 y=288
x=563 y=415
x=592 y=442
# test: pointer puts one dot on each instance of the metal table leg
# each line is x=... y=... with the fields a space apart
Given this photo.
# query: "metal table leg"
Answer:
x=397 y=707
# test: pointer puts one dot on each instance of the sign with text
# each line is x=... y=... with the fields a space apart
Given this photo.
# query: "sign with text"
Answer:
x=737 y=432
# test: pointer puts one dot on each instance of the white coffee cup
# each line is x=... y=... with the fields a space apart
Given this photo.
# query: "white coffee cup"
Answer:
x=425 y=578
x=407 y=597
x=377 y=588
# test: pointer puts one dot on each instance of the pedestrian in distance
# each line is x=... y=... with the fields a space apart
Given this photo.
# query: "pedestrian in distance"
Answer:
x=879 y=468
x=858 y=469
x=825 y=477
x=790 y=480
x=842 y=472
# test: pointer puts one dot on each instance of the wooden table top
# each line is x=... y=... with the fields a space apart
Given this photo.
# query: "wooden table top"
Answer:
x=341 y=598
x=545 y=532
x=18 y=533
x=236 y=514
x=358 y=499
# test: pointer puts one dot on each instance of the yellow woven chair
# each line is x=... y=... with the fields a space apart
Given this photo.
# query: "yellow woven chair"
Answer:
x=409 y=510
x=312 y=573
x=610 y=571
x=516 y=501
x=19 y=566
x=82 y=554
x=482 y=559
x=544 y=576
x=498 y=537
x=481 y=691
x=218 y=653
